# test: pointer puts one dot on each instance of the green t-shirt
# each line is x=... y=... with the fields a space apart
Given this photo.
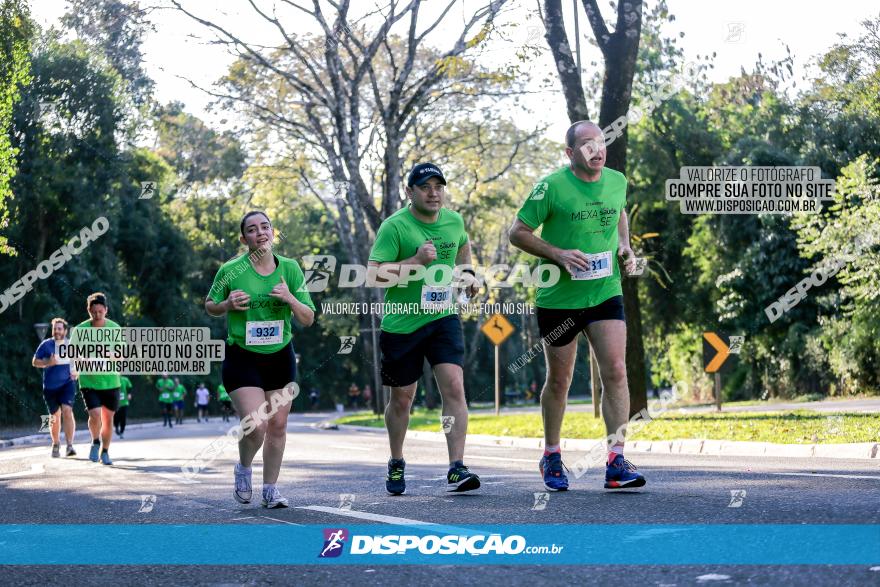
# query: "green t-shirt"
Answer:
x=178 y=393
x=399 y=237
x=221 y=393
x=165 y=387
x=124 y=386
x=269 y=317
x=576 y=214
x=97 y=380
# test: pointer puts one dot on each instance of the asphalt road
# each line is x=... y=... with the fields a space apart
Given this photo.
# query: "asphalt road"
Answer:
x=321 y=465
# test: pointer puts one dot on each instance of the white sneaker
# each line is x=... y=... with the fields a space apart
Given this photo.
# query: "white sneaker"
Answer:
x=272 y=499
x=243 y=490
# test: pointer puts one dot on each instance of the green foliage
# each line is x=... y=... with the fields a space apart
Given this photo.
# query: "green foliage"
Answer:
x=796 y=427
x=15 y=35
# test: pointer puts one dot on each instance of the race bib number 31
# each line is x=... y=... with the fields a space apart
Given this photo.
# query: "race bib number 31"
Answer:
x=598 y=265
x=267 y=332
x=436 y=297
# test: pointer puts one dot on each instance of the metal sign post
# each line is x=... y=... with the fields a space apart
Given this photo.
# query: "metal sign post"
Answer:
x=497 y=328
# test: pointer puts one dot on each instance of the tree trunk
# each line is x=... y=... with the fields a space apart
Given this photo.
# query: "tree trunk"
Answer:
x=635 y=348
x=575 y=102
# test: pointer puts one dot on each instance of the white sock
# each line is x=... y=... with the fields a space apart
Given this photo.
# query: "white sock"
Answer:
x=268 y=487
x=242 y=468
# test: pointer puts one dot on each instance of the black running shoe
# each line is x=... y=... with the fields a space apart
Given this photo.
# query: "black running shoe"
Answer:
x=459 y=479
x=394 y=483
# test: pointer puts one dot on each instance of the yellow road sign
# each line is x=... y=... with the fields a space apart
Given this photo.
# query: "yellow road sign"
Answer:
x=497 y=328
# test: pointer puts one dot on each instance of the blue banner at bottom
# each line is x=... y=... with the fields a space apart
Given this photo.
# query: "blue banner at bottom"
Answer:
x=154 y=544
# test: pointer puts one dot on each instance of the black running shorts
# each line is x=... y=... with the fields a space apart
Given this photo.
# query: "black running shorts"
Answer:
x=95 y=398
x=556 y=330
x=244 y=368
x=60 y=395
x=403 y=355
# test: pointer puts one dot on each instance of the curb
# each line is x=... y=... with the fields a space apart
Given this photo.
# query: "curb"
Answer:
x=35 y=438
x=859 y=450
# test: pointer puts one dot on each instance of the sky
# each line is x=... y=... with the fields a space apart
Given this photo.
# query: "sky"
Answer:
x=736 y=31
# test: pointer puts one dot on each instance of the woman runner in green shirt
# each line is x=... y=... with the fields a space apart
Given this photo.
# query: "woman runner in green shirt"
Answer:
x=254 y=291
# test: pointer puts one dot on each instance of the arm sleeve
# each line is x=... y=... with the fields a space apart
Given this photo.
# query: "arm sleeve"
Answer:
x=295 y=282
x=220 y=288
x=464 y=237
x=536 y=208
x=387 y=245
x=42 y=351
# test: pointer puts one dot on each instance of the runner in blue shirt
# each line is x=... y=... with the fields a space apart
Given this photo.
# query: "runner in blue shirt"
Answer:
x=59 y=385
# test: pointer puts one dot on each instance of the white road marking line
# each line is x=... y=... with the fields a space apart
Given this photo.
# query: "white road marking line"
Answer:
x=35 y=469
x=365 y=515
x=839 y=476
x=177 y=478
x=244 y=518
x=503 y=459
x=282 y=521
x=386 y=519
x=22 y=454
x=349 y=447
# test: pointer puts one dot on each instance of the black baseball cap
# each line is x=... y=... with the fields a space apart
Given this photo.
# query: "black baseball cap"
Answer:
x=422 y=172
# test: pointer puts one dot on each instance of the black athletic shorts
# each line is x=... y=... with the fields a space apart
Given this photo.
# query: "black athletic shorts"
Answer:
x=60 y=395
x=244 y=368
x=95 y=398
x=403 y=355
x=553 y=326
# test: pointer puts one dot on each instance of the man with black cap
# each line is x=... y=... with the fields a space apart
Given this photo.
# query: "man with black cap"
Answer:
x=420 y=245
x=100 y=389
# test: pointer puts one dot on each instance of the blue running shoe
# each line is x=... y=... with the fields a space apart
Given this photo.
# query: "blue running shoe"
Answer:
x=552 y=470
x=105 y=458
x=93 y=452
x=394 y=482
x=621 y=474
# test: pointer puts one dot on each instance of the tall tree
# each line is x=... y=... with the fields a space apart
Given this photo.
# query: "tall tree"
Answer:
x=620 y=49
x=15 y=34
x=352 y=94
x=116 y=28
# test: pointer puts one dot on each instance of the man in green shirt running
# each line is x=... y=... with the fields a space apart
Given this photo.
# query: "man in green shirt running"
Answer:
x=260 y=294
x=178 y=394
x=420 y=245
x=124 y=398
x=582 y=210
x=100 y=387
x=165 y=385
